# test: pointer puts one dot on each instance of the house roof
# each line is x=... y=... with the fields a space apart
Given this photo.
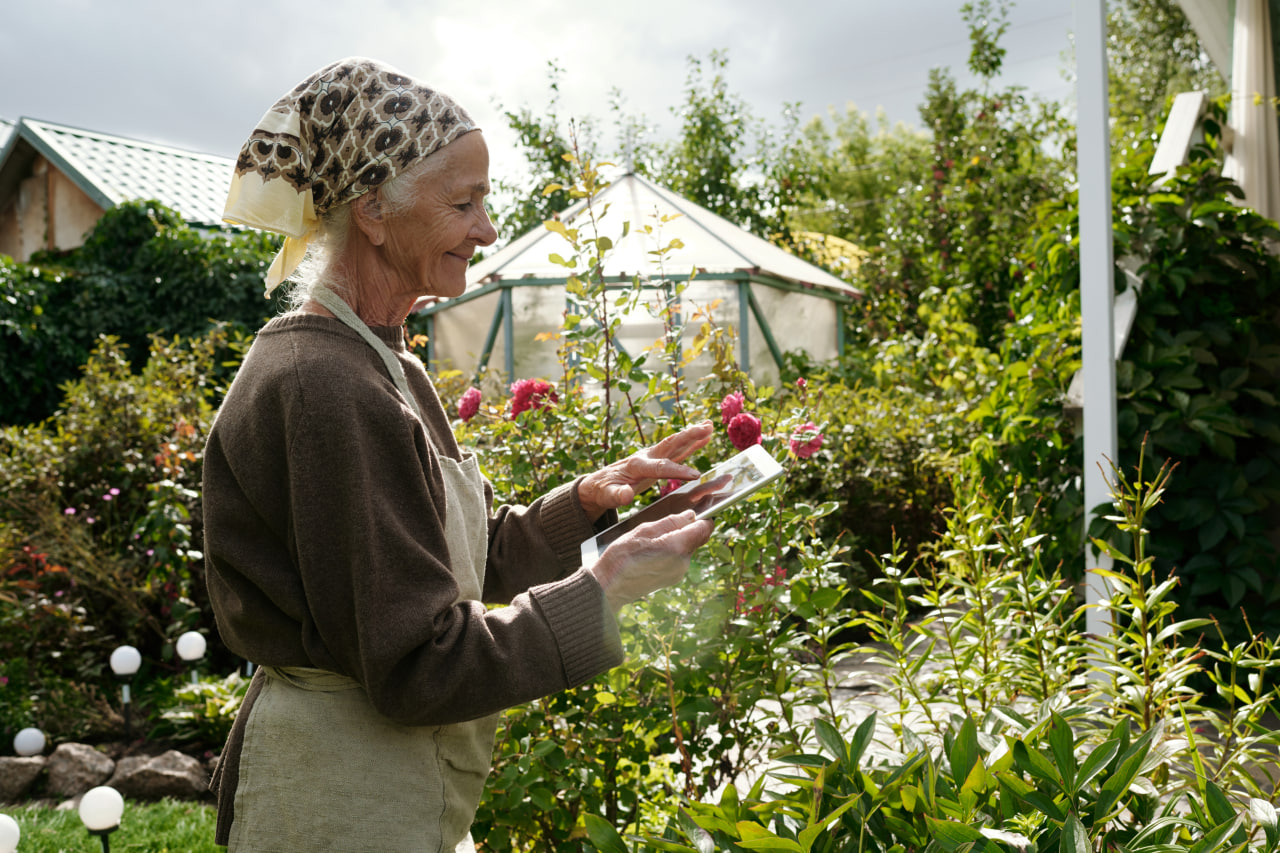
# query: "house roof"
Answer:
x=711 y=243
x=6 y=128
x=112 y=169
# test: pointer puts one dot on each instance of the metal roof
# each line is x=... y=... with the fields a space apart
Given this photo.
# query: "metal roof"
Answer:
x=112 y=169
x=6 y=128
x=712 y=244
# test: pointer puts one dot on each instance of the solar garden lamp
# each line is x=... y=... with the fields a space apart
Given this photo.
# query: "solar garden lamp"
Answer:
x=190 y=648
x=9 y=834
x=125 y=661
x=29 y=741
x=100 y=811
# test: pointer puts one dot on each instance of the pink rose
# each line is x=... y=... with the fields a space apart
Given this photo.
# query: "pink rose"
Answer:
x=531 y=394
x=469 y=404
x=806 y=440
x=744 y=430
x=730 y=407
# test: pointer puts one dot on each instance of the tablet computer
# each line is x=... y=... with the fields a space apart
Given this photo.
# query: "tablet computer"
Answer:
x=721 y=487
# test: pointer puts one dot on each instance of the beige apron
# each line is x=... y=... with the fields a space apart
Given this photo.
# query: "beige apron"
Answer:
x=320 y=769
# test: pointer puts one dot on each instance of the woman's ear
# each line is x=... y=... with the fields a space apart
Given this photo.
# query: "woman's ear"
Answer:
x=367 y=211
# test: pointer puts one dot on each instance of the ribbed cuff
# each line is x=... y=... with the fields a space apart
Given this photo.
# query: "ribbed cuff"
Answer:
x=583 y=625
x=566 y=526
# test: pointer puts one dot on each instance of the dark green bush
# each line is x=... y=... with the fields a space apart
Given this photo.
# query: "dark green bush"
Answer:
x=141 y=271
x=100 y=542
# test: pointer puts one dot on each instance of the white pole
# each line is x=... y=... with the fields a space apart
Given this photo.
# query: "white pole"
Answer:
x=1097 y=285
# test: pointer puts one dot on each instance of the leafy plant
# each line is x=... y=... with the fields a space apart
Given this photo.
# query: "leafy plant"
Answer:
x=985 y=754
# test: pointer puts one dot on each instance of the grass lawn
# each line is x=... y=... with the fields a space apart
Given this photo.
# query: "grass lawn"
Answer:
x=169 y=826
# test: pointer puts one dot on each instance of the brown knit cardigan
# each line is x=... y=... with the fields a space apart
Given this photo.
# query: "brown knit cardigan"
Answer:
x=324 y=538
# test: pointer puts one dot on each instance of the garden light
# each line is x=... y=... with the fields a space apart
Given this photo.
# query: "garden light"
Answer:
x=9 y=834
x=29 y=741
x=100 y=811
x=125 y=661
x=190 y=648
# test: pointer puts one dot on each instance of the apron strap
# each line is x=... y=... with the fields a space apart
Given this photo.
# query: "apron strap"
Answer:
x=340 y=309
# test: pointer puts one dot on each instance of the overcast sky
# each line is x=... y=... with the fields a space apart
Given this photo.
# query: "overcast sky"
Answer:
x=199 y=74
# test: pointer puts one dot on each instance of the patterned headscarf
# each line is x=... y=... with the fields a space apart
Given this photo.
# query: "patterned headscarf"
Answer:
x=340 y=133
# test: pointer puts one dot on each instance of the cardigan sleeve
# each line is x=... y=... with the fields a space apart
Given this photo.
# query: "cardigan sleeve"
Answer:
x=359 y=583
x=371 y=552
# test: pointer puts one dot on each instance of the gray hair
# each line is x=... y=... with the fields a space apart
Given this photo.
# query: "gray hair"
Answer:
x=322 y=263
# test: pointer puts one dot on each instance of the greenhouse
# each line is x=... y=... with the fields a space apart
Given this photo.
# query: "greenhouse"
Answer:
x=769 y=300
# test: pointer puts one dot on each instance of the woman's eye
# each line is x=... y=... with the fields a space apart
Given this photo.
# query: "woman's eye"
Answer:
x=466 y=205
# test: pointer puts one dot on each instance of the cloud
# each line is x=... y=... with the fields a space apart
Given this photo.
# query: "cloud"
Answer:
x=200 y=75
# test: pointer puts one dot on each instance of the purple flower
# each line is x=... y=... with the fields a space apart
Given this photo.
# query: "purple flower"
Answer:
x=744 y=430
x=114 y=490
x=730 y=407
x=469 y=404
x=106 y=497
x=69 y=511
x=806 y=440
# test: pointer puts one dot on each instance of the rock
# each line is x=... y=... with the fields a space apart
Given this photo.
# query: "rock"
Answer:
x=171 y=774
x=75 y=768
x=17 y=775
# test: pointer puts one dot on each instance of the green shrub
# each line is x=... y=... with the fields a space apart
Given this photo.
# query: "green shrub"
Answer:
x=1024 y=733
x=100 y=542
x=1194 y=384
x=140 y=272
x=754 y=620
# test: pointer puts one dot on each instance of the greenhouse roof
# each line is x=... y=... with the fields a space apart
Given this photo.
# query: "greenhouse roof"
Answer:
x=111 y=169
x=711 y=244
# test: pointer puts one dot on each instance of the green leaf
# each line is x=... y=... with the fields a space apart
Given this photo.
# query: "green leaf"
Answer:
x=756 y=837
x=829 y=737
x=1096 y=760
x=1220 y=809
x=1216 y=837
x=861 y=738
x=1263 y=813
x=1031 y=761
x=1118 y=783
x=952 y=835
x=602 y=834
x=1062 y=744
x=700 y=837
x=1075 y=839
x=811 y=832
x=964 y=750
x=729 y=803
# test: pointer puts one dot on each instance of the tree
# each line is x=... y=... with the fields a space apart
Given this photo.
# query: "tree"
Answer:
x=1153 y=53
x=545 y=147
x=852 y=170
x=952 y=234
x=141 y=271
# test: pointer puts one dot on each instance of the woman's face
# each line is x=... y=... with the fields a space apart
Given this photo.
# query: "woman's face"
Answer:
x=430 y=247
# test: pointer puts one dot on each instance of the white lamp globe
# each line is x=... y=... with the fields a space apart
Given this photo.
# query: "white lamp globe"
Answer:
x=191 y=646
x=29 y=741
x=125 y=660
x=9 y=834
x=101 y=808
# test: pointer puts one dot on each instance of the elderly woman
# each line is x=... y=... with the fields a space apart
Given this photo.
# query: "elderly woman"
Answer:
x=350 y=540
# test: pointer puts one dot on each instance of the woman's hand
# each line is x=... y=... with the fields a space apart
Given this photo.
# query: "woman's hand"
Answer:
x=650 y=557
x=618 y=484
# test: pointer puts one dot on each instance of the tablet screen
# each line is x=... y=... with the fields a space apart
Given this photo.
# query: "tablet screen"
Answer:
x=722 y=486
